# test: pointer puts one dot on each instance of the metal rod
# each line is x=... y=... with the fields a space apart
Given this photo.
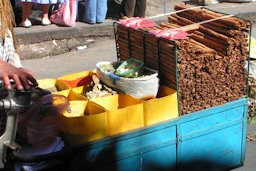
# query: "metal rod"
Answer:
x=164 y=6
x=175 y=12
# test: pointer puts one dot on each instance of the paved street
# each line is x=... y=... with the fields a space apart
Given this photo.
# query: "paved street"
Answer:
x=53 y=67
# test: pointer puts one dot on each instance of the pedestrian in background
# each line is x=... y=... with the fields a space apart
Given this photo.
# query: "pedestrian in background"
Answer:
x=45 y=6
x=95 y=11
x=133 y=8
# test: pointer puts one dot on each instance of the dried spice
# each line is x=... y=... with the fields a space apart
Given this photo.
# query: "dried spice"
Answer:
x=97 y=89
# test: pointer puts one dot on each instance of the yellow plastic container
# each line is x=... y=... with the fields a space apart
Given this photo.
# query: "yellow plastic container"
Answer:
x=78 y=128
x=124 y=113
x=76 y=108
x=162 y=108
x=77 y=79
x=93 y=108
x=76 y=94
x=55 y=86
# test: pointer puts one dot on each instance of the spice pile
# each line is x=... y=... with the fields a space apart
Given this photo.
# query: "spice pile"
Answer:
x=97 y=89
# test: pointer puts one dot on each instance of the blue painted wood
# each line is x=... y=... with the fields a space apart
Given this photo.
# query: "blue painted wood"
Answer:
x=214 y=151
x=244 y=134
x=129 y=164
x=212 y=123
x=161 y=159
x=212 y=137
x=124 y=149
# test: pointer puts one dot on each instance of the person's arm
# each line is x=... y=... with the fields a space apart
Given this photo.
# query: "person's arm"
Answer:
x=22 y=77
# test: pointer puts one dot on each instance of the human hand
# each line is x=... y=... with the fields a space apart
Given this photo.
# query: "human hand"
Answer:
x=22 y=77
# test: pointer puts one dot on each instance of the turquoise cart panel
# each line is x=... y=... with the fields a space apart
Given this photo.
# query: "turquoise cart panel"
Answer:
x=210 y=139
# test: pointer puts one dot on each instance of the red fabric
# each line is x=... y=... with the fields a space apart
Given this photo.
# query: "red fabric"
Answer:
x=170 y=34
x=79 y=81
x=137 y=22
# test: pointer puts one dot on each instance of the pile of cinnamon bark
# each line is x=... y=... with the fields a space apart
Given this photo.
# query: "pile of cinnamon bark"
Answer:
x=208 y=66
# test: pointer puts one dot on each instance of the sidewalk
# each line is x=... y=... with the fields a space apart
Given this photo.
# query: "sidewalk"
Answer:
x=41 y=41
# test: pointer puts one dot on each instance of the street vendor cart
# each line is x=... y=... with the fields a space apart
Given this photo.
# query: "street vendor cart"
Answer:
x=198 y=119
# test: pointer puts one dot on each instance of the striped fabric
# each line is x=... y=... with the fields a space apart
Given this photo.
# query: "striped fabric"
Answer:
x=7 y=47
x=6 y=51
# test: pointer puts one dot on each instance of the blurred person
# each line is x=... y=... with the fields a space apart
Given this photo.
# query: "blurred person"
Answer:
x=133 y=8
x=16 y=10
x=21 y=77
x=45 y=6
x=8 y=47
x=95 y=11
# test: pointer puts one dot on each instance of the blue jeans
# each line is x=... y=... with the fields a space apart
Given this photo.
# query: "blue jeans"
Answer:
x=95 y=11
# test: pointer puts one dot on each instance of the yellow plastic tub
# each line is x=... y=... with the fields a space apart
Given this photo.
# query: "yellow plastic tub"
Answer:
x=76 y=108
x=161 y=108
x=77 y=79
x=80 y=127
x=76 y=94
x=124 y=113
x=55 y=86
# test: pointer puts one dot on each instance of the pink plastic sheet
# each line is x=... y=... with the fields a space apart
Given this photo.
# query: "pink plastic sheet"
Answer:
x=137 y=22
x=170 y=34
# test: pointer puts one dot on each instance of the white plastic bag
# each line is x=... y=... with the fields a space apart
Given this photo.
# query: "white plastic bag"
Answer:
x=144 y=87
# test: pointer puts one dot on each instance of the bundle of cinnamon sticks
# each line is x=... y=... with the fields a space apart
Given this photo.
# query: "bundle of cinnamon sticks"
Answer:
x=208 y=66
